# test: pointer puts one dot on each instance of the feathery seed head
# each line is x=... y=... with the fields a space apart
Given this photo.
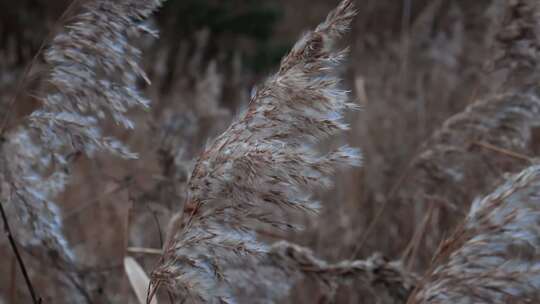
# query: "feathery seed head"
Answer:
x=493 y=256
x=93 y=73
x=263 y=165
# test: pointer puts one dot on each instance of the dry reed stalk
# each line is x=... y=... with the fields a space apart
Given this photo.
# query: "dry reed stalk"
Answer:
x=258 y=170
x=493 y=257
x=375 y=271
x=286 y=264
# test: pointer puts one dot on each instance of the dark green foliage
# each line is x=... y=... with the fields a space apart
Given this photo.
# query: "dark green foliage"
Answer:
x=267 y=55
x=18 y=28
x=229 y=21
x=240 y=17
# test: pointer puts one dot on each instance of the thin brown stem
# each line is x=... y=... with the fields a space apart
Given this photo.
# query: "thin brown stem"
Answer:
x=13 y=286
x=381 y=210
x=35 y=298
x=412 y=249
x=503 y=151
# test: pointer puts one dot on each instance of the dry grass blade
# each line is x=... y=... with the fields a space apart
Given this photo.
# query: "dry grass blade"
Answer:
x=138 y=279
x=261 y=168
x=493 y=257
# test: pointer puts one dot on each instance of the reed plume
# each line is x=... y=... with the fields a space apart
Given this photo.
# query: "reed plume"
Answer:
x=92 y=79
x=493 y=256
x=261 y=167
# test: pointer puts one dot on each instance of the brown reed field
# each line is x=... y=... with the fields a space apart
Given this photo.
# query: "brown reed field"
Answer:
x=242 y=151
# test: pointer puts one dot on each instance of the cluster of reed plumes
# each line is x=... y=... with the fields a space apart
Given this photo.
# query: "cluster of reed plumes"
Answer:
x=259 y=179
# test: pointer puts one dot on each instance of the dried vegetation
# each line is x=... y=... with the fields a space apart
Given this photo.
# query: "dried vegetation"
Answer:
x=210 y=206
